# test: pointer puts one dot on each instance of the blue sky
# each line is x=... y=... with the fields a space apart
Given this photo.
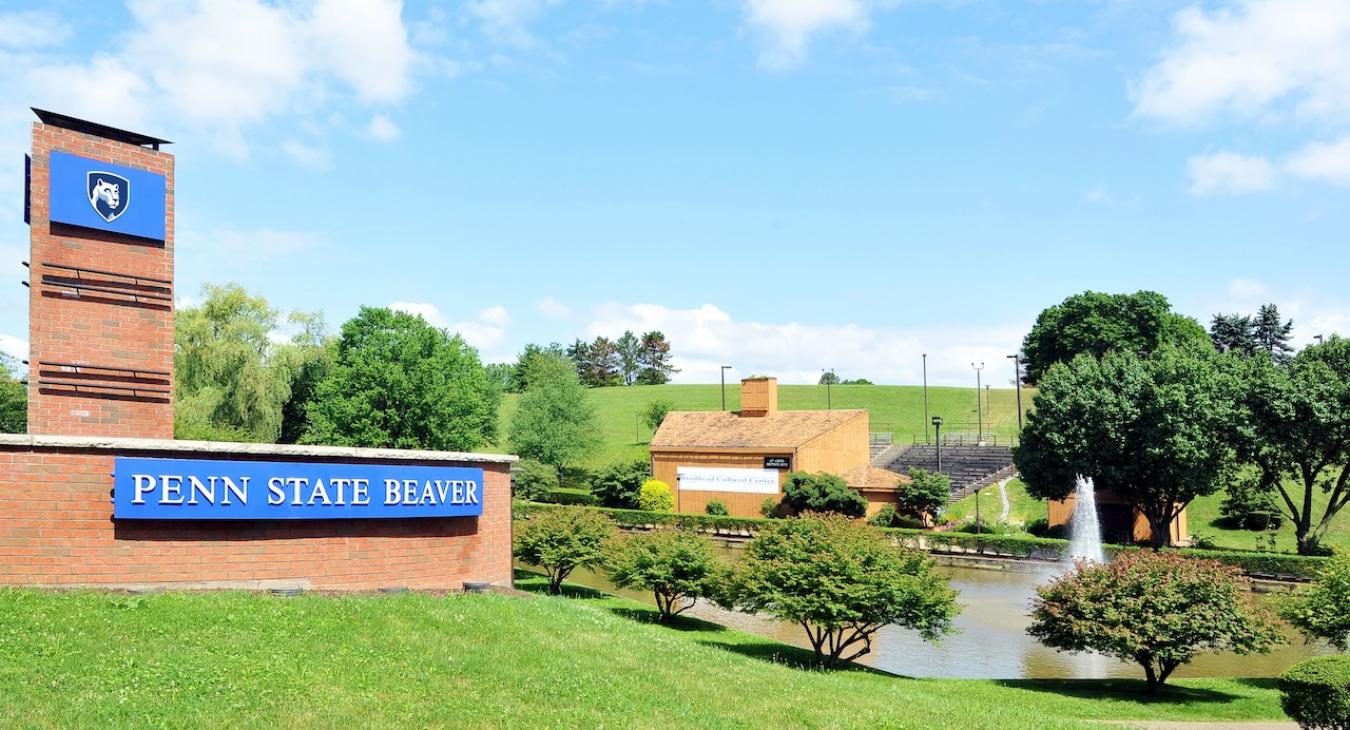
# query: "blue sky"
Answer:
x=779 y=185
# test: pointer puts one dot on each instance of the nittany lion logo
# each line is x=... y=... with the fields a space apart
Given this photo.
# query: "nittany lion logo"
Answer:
x=109 y=194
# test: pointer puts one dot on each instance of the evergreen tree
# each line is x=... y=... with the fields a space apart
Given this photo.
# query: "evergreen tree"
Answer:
x=604 y=364
x=656 y=367
x=1271 y=334
x=1233 y=333
x=630 y=356
x=529 y=359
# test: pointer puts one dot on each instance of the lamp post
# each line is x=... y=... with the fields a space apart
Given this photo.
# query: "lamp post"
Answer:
x=977 y=510
x=1318 y=338
x=1017 y=382
x=925 y=398
x=979 y=436
x=937 y=438
x=725 y=368
x=829 y=400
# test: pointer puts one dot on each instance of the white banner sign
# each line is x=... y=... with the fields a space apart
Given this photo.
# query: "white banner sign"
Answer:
x=710 y=479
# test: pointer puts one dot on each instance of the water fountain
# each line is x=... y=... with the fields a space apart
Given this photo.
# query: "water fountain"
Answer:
x=1085 y=530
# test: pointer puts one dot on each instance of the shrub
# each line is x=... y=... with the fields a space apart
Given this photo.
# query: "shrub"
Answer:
x=924 y=493
x=562 y=540
x=1040 y=527
x=1316 y=693
x=677 y=567
x=1156 y=609
x=716 y=508
x=1322 y=610
x=841 y=581
x=570 y=496
x=654 y=496
x=823 y=493
x=655 y=412
x=770 y=508
x=983 y=527
x=885 y=517
x=618 y=484
x=1248 y=506
x=533 y=480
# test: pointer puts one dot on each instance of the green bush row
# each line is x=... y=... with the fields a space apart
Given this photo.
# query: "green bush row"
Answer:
x=1316 y=692
x=563 y=495
x=1014 y=546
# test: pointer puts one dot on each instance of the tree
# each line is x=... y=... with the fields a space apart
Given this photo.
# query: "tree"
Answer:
x=533 y=480
x=603 y=364
x=678 y=567
x=1158 y=610
x=13 y=398
x=654 y=496
x=398 y=382
x=924 y=493
x=620 y=483
x=655 y=358
x=630 y=357
x=561 y=540
x=1316 y=693
x=1156 y=431
x=1233 y=333
x=307 y=358
x=1271 y=334
x=1095 y=323
x=1295 y=429
x=655 y=413
x=856 y=381
x=228 y=385
x=555 y=421
x=822 y=492
x=841 y=581
x=1322 y=610
x=531 y=358
x=828 y=378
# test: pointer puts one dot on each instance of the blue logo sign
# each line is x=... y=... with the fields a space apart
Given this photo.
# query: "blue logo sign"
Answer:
x=208 y=489
x=98 y=194
x=109 y=193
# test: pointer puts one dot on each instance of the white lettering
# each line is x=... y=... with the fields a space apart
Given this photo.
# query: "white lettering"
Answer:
x=473 y=492
x=297 y=482
x=361 y=491
x=170 y=484
x=239 y=490
x=195 y=487
x=457 y=492
x=276 y=491
x=319 y=489
x=428 y=494
x=410 y=491
x=341 y=484
x=442 y=490
x=391 y=487
x=141 y=483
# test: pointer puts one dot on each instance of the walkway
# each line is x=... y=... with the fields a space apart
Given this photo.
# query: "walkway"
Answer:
x=1003 y=497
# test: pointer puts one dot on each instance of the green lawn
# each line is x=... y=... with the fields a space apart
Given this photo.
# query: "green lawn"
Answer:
x=92 y=659
x=1204 y=514
x=1023 y=508
x=896 y=408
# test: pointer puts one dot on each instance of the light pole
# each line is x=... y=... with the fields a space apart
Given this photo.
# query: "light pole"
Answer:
x=977 y=511
x=979 y=436
x=1318 y=338
x=1017 y=382
x=725 y=368
x=937 y=439
x=925 y=398
x=829 y=400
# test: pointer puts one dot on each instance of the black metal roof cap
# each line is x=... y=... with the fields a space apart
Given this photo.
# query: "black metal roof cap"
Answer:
x=98 y=130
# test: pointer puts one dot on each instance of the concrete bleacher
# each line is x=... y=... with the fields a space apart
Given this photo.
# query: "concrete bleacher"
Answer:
x=970 y=467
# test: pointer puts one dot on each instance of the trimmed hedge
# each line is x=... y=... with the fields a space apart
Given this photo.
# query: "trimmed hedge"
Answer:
x=1018 y=545
x=1316 y=692
x=563 y=495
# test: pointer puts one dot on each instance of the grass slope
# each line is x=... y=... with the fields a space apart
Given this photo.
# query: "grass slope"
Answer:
x=92 y=659
x=896 y=408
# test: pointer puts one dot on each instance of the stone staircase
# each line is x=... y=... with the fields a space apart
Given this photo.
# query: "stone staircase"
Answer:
x=970 y=467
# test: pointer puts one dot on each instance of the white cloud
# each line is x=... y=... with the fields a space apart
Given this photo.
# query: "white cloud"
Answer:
x=485 y=332
x=706 y=337
x=383 y=128
x=32 y=29
x=1262 y=58
x=507 y=21
x=430 y=312
x=495 y=316
x=1229 y=173
x=552 y=308
x=15 y=347
x=1327 y=162
x=785 y=27
x=315 y=157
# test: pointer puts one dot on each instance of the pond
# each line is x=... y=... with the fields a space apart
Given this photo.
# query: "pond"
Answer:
x=992 y=642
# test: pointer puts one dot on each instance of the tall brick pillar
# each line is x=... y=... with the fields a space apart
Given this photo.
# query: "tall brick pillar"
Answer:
x=101 y=273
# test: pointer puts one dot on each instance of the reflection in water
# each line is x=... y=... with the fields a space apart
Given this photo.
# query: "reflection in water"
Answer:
x=992 y=643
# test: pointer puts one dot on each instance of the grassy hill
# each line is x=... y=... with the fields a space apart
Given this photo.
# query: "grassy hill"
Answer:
x=896 y=408
x=239 y=660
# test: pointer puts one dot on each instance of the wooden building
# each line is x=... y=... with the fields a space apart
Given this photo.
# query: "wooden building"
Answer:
x=1121 y=522
x=741 y=458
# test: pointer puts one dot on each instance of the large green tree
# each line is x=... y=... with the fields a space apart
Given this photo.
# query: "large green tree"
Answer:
x=228 y=385
x=1295 y=430
x=555 y=422
x=655 y=358
x=524 y=371
x=13 y=398
x=1096 y=323
x=307 y=358
x=396 y=381
x=1155 y=430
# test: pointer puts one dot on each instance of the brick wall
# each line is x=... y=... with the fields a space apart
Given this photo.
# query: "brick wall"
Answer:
x=56 y=529
x=91 y=330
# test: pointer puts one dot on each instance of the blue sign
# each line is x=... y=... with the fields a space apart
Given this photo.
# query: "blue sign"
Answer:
x=207 y=489
x=101 y=195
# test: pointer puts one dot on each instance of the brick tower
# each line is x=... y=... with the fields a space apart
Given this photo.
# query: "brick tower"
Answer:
x=100 y=207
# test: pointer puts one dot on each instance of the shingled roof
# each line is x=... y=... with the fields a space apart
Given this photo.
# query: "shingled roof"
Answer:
x=726 y=430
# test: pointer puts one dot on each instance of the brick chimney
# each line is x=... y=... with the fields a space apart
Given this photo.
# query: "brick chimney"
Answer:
x=759 y=397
